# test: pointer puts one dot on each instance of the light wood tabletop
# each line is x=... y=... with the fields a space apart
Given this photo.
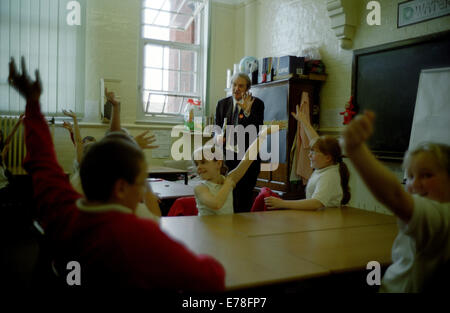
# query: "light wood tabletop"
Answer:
x=155 y=171
x=263 y=248
x=165 y=189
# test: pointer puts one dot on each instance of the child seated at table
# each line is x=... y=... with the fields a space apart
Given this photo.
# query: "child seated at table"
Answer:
x=214 y=195
x=422 y=246
x=113 y=246
x=328 y=184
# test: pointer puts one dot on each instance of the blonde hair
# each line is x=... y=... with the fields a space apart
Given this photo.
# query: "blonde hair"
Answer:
x=440 y=152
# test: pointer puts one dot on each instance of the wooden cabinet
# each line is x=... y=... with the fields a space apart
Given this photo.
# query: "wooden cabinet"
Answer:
x=280 y=99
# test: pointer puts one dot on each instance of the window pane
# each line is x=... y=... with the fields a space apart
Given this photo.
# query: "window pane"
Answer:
x=153 y=79
x=154 y=4
x=173 y=104
x=174 y=4
x=170 y=81
x=150 y=16
x=189 y=7
x=172 y=58
x=188 y=61
x=153 y=56
x=163 y=19
x=160 y=33
x=156 y=103
x=180 y=20
x=155 y=32
x=188 y=83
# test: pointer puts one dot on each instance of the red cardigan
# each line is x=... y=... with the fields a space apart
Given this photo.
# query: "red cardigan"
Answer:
x=113 y=248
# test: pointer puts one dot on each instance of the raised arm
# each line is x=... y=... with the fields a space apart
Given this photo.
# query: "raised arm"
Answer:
x=52 y=189
x=383 y=184
x=252 y=152
x=69 y=127
x=77 y=136
x=115 y=114
x=302 y=118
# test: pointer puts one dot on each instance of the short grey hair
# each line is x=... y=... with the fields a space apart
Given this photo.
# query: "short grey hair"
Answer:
x=244 y=76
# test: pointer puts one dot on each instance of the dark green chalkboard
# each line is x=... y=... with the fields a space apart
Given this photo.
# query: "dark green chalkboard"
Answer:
x=385 y=79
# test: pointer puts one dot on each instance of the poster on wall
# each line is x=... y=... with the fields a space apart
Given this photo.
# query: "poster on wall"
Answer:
x=417 y=11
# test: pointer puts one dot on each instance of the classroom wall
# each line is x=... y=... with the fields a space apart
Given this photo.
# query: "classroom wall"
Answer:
x=252 y=27
x=284 y=27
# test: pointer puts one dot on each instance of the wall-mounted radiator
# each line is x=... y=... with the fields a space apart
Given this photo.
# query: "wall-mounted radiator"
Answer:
x=17 y=151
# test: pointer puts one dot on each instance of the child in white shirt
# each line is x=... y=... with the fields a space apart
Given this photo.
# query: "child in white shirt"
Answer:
x=422 y=246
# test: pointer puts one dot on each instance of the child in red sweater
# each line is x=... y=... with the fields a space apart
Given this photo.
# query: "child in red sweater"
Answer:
x=113 y=246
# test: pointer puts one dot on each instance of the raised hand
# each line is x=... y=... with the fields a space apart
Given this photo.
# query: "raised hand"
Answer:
x=299 y=116
x=247 y=102
x=145 y=142
x=30 y=90
x=68 y=126
x=358 y=131
x=70 y=113
x=111 y=97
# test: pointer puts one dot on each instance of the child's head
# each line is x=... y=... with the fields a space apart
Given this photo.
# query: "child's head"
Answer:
x=428 y=171
x=326 y=151
x=209 y=162
x=114 y=170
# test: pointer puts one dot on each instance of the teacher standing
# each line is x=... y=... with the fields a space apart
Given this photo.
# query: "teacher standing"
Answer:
x=241 y=109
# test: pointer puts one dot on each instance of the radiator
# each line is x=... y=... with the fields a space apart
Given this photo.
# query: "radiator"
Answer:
x=17 y=151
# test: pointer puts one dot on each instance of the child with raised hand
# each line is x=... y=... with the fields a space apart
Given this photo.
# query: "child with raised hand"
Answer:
x=114 y=247
x=328 y=184
x=214 y=195
x=422 y=246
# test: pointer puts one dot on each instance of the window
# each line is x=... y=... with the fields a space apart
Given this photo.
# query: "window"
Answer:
x=173 y=57
x=39 y=30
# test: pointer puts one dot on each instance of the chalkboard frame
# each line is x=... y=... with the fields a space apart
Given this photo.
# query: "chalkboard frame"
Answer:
x=390 y=154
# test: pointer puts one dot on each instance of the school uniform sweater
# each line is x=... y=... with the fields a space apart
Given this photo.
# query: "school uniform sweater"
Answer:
x=113 y=246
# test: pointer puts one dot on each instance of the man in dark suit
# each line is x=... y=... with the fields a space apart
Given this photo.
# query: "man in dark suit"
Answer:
x=241 y=109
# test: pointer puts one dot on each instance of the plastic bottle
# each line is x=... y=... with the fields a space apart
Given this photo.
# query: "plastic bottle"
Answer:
x=193 y=115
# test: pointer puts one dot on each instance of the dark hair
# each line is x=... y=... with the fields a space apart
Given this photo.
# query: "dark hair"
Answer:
x=329 y=145
x=105 y=162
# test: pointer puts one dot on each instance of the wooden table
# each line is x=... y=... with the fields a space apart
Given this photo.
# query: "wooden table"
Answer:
x=162 y=172
x=165 y=189
x=264 y=248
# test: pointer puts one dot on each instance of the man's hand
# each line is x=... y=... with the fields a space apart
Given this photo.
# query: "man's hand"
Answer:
x=145 y=142
x=30 y=90
x=247 y=102
x=357 y=132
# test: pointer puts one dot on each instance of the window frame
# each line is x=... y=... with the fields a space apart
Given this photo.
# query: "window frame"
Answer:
x=202 y=52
